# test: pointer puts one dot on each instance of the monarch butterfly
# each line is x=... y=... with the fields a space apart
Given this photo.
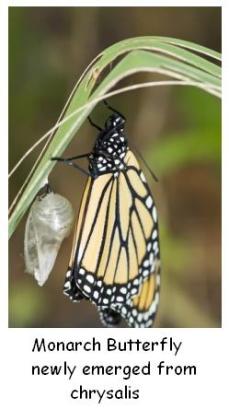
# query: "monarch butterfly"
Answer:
x=115 y=258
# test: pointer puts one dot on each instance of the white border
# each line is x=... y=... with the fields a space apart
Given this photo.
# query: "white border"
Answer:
x=117 y=3
x=206 y=347
x=4 y=165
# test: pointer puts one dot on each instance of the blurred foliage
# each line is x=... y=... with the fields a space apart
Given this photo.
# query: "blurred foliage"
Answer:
x=177 y=130
x=26 y=303
x=199 y=142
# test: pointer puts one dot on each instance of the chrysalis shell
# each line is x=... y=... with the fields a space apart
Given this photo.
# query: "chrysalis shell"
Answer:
x=49 y=222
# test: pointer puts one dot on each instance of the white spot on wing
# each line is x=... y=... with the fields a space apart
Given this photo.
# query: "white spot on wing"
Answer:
x=87 y=288
x=90 y=278
x=154 y=213
x=96 y=294
x=149 y=202
x=142 y=176
x=154 y=234
x=123 y=290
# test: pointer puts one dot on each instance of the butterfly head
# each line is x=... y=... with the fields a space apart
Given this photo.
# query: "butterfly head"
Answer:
x=115 y=122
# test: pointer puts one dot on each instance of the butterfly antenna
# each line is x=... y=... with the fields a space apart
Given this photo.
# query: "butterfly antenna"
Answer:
x=112 y=109
x=146 y=165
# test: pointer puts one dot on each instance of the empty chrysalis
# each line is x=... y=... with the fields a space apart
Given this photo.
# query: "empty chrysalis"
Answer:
x=49 y=221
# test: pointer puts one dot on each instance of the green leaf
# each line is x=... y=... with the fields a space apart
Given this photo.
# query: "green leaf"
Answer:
x=192 y=46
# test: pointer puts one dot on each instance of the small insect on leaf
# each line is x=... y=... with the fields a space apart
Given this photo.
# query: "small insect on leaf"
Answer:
x=49 y=221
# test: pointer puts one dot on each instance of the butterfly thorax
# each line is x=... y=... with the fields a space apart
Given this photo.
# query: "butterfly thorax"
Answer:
x=110 y=148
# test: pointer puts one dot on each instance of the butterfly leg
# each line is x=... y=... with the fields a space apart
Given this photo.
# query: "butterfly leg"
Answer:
x=93 y=124
x=112 y=109
x=72 y=158
x=68 y=161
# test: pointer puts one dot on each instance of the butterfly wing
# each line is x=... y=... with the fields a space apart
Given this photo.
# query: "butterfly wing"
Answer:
x=116 y=238
x=139 y=311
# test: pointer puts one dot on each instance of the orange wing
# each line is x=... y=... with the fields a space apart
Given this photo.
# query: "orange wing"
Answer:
x=116 y=241
x=140 y=311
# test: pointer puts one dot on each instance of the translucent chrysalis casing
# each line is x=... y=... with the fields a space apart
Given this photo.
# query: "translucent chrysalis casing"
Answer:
x=49 y=221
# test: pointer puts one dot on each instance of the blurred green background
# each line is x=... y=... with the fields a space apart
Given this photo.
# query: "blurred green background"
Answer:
x=177 y=130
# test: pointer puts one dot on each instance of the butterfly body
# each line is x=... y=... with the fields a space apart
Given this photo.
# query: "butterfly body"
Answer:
x=115 y=260
x=110 y=148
